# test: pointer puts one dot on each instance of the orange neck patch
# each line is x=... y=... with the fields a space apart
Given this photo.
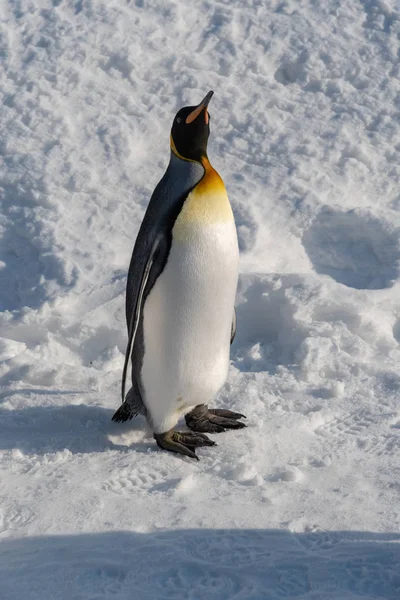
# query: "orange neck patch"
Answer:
x=207 y=204
x=211 y=181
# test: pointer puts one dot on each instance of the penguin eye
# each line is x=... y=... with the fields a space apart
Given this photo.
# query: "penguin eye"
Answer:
x=178 y=120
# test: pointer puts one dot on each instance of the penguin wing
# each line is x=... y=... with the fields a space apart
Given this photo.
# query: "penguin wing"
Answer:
x=233 y=328
x=137 y=308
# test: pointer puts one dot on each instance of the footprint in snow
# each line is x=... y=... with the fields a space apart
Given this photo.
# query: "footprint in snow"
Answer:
x=14 y=518
x=132 y=482
x=287 y=474
x=214 y=548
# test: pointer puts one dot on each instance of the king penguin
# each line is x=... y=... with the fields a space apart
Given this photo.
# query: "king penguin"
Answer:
x=180 y=296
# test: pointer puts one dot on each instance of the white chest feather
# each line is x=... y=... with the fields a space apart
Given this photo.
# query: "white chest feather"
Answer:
x=187 y=318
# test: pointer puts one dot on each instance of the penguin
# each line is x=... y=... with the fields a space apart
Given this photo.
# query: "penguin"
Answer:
x=180 y=296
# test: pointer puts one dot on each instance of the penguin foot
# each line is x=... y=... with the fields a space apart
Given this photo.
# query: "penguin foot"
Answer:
x=182 y=443
x=213 y=420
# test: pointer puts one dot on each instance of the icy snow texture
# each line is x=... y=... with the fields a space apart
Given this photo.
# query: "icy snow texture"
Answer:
x=306 y=134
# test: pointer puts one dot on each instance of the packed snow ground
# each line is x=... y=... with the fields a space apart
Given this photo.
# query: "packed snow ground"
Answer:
x=304 y=502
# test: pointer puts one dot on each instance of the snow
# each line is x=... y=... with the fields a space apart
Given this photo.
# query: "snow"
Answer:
x=304 y=502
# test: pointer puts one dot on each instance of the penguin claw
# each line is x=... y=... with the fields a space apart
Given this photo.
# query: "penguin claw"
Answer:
x=182 y=443
x=229 y=414
x=215 y=420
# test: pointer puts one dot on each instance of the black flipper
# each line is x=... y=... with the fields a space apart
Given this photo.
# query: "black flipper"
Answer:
x=132 y=407
x=133 y=325
x=124 y=413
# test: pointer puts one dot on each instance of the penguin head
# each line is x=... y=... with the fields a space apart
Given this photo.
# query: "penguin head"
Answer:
x=190 y=131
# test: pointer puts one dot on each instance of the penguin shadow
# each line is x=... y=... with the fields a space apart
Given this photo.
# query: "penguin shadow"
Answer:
x=79 y=428
x=268 y=334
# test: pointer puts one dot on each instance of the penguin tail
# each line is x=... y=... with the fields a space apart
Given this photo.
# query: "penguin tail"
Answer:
x=125 y=413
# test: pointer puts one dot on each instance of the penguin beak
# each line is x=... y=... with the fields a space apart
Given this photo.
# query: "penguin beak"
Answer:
x=199 y=108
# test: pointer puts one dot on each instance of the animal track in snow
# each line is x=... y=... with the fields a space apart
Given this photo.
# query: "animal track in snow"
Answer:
x=15 y=517
x=214 y=549
x=354 y=248
x=134 y=481
x=317 y=540
x=292 y=71
x=287 y=474
x=293 y=582
x=361 y=428
x=363 y=575
x=204 y=581
x=383 y=445
x=352 y=424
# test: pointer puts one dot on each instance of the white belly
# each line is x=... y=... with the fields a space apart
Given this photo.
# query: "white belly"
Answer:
x=187 y=321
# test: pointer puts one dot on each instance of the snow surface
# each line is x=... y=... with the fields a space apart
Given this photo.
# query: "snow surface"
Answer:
x=304 y=503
